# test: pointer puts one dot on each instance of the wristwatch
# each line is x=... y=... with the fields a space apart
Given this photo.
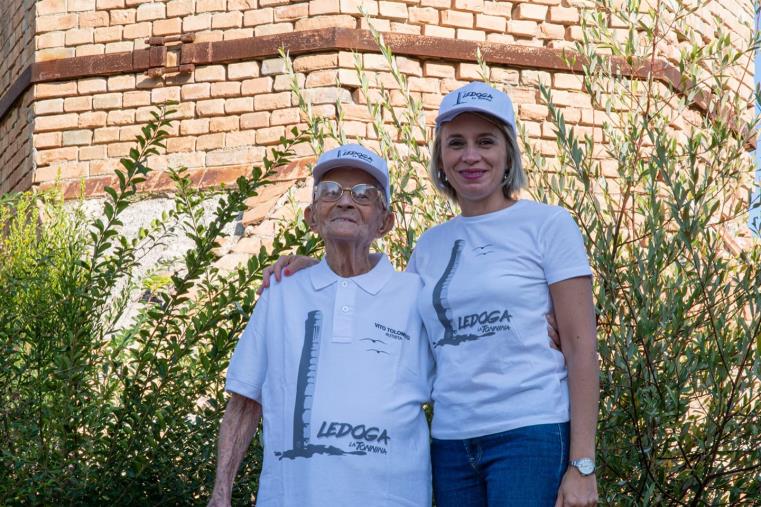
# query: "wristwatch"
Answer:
x=585 y=466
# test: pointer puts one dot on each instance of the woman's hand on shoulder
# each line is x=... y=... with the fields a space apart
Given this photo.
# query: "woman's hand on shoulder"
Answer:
x=285 y=265
x=577 y=490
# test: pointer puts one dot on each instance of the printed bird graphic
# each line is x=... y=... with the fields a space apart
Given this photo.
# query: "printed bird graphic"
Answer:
x=373 y=340
x=378 y=351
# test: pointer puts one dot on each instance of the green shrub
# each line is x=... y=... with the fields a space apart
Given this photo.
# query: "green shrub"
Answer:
x=101 y=415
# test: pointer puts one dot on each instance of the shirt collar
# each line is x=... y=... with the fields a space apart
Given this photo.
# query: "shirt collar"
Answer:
x=371 y=282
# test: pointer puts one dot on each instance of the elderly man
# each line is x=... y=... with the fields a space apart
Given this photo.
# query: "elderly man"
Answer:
x=336 y=359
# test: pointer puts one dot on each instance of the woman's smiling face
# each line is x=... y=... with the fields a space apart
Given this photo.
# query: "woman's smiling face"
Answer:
x=474 y=159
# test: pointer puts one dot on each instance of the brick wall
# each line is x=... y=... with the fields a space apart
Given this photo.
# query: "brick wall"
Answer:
x=230 y=113
x=16 y=53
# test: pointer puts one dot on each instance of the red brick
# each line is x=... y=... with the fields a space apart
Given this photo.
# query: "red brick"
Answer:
x=195 y=91
x=51 y=40
x=180 y=144
x=92 y=152
x=50 y=106
x=47 y=139
x=106 y=135
x=171 y=26
x=214 y=107
x=320 y=22
x=121 y=117
x=227 y=20
x=44 y=90
x=137 y=31
x=210 y=142
x=242 y=138
x=194 y=127
x=77 y=104
x=225 y=89
x=136 y=98
x=270 y=135
x=93 y=19
x=210 y=73
x=92 y=119
x=393 y=10
x=161 y=95
x=469 y=5
x=254 y=120
x=239 y=105
x=210 y=5
x=77 y=137
x=224 y=124
x=423 y=15
x=491 y=23
x=258 y=17
x=46 y=157
x=457 y=19
x=55 y=22
x=438 y=31
x=564 y=15
x=530 y=11
x=289 y=116
x=291 y=12
x=179 y=8
x=522 y=28
x=324 y=7
x=196 y=23
x=55 y=122
x=242 y=70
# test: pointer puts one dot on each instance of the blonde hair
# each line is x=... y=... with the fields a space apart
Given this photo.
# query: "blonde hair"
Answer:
x=514 y=179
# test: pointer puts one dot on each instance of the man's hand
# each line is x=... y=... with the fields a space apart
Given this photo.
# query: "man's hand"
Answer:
x=577 y=490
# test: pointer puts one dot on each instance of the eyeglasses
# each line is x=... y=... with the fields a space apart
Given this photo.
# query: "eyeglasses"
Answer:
x=363 y=194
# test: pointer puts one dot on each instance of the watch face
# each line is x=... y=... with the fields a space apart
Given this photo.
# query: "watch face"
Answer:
x=585 y=466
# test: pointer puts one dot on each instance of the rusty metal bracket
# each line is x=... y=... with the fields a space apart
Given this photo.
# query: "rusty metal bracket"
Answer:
x=166 y=54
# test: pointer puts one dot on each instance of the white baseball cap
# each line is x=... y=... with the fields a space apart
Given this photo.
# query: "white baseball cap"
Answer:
x=357 y=156
x=476 y=97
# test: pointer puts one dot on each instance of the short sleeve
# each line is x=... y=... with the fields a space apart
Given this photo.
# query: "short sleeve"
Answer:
x=427 y=363
x=248 y=365
x=563 y=252
x=412 y=263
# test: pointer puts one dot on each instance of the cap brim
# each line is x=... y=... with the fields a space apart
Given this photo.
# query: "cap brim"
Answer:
x=320 y=169
x=466 y=108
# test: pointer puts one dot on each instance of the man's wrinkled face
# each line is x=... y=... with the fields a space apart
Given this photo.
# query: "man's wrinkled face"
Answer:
x=345 y=219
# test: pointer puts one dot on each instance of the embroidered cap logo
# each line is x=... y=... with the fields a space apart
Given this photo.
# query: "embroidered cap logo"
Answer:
x=473 y=96
x=355 y=154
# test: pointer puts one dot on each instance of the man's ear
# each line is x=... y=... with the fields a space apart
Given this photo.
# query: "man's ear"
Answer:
x=388 y=223
x=310 y=219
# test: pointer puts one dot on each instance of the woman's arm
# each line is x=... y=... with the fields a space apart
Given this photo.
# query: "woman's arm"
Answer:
x=285 y=265
x=574 y=311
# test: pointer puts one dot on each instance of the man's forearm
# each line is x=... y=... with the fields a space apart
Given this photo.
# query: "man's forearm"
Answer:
x=238 y=428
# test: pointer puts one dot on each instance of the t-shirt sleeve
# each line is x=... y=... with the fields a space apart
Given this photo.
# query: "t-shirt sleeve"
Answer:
x=412 y=263
x=563 y=251
x=427 y=364
x=248 y=365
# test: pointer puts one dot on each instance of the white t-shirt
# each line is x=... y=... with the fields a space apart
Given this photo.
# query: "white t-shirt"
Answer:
x=341 y=367
x=484 y=303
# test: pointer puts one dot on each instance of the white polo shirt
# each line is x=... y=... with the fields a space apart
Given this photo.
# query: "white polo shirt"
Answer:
x=341 y=367
x=486 y=294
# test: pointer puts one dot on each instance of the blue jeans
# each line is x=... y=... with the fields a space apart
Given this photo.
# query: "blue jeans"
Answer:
x=521 y=467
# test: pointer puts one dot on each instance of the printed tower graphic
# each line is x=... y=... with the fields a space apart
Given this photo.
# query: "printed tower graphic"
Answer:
x=441 y=302
x=310 y=355
x=305 y=388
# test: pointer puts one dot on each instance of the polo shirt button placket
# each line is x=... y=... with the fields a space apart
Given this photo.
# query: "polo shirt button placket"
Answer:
x=343 y=312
